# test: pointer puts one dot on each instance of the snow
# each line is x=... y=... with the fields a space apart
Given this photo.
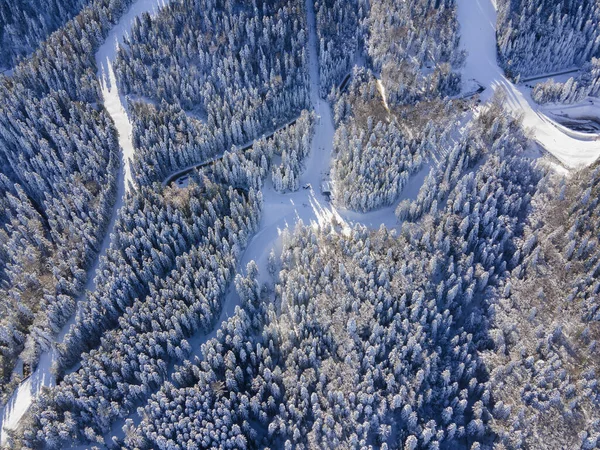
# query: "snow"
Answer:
x=381 y=88
x=310 y=206
x=478 y=36
x=307 y=206
x=587 y=112
x=16 y=407
x=115 y=103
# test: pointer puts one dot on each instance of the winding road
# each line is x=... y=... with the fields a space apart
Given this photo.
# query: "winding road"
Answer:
x=477 y=20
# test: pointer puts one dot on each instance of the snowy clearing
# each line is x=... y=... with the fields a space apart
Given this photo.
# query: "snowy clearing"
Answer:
x=478 y=36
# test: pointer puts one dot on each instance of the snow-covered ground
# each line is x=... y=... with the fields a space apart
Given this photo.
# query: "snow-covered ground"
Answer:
x=584 y=116
x=113 y=101
x=381 y=88
x=115 y=104
x=478 y=36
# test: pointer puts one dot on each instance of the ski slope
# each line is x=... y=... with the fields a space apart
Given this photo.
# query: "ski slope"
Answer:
x=477 y=20
x=115 y=104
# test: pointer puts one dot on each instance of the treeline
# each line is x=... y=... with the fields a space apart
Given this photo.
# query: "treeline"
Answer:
x=414 y=46
x=242 y=66
x=24 y=24
x=537 y=37
x=574 y=90
x=59 y=157
x=291 y=146
x=366 y=337
x=492 y=128
x=281 y=156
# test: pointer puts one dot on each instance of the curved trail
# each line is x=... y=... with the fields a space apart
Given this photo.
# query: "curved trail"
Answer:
x=477 y=20
x=114 y=103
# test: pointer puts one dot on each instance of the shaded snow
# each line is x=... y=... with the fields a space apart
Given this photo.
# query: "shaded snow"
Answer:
x=584 y=112
x=478 y=36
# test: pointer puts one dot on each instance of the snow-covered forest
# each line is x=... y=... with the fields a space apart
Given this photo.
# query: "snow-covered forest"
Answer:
x=60 y=159
x=24 y=24
x=299 y=225
x=544 y=36
x=414 y=46
x=574 y=90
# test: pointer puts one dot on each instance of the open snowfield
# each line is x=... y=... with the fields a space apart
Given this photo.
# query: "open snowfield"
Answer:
x=478 y=36
x=115 y=104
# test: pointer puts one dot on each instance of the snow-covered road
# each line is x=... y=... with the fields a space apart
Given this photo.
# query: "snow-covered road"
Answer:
x=477 y=20
x=115 y=104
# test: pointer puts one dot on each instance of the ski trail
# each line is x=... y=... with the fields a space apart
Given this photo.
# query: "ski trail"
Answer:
x=477 y=20
x=115 y=104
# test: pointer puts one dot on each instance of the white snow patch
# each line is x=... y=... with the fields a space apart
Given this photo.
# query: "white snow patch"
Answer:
x=478 y=36
x=381 y=88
